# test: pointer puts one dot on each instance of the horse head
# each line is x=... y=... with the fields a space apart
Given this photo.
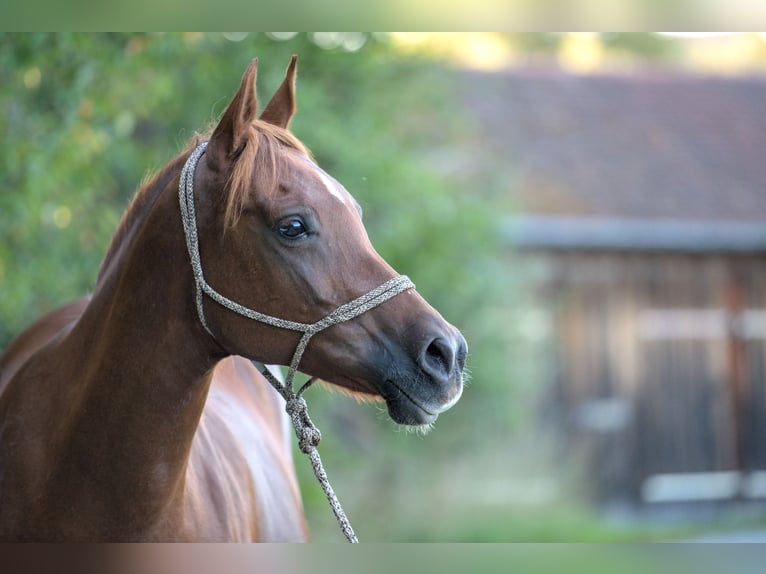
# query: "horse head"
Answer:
x=278 y=235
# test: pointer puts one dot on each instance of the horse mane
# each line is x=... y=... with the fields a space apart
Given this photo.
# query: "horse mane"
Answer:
x=258 y=166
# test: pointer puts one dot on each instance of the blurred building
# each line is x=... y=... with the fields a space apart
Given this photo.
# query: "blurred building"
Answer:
x=642 y=200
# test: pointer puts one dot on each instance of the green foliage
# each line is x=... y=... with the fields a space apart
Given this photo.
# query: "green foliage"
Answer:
x=645 y=46
x=83 y=118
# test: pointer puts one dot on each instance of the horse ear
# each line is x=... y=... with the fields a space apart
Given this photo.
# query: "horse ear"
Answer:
x=231 y=132
x=281 y=108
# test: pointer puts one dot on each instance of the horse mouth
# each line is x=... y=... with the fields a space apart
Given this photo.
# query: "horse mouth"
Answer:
x=404 y=409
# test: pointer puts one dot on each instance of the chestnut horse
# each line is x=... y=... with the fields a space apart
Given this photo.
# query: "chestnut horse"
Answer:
x=135 y=414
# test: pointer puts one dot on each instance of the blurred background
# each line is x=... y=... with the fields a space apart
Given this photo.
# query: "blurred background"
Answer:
x=589 y=209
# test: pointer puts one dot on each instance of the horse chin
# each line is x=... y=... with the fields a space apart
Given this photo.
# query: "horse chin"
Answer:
x=405 y=410
x=401 y=408
x=410 y=415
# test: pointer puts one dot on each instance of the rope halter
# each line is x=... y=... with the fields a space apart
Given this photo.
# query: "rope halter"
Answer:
x=308 y=435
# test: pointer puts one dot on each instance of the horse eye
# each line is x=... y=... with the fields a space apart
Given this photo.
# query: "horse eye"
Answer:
x=292 y=229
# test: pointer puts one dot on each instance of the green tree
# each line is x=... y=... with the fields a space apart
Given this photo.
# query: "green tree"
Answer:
x=83 y=118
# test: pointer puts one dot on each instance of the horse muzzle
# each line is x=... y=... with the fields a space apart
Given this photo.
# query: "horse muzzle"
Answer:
x=433 y=385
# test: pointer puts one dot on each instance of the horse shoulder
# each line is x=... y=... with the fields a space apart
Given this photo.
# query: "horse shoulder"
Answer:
x=241 y=481
x=27 y=405
x=42 y=332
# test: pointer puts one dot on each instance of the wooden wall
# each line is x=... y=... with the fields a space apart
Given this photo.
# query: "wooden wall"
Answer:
x=660 y=366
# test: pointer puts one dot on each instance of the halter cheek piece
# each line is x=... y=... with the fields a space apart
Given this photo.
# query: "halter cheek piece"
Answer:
x=308 y=434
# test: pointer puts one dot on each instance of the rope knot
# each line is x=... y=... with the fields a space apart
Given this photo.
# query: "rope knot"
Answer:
x=310 y=437
x=296 y=407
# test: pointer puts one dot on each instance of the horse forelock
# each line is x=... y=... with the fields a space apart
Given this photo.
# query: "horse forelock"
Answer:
x=260 y=166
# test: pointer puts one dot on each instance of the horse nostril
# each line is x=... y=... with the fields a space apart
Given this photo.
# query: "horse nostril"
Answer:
x=439 y=359
x=462 y=353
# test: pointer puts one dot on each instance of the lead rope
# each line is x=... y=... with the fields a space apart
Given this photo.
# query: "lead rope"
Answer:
x=296 y=407
x=308 y=440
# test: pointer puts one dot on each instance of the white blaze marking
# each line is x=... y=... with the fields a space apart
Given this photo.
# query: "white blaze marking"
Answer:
x=331 y=186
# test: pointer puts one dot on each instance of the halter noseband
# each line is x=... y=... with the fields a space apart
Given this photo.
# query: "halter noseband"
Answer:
x=308 y=435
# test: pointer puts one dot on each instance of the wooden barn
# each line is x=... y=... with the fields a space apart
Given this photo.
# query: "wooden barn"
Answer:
x=641 y=201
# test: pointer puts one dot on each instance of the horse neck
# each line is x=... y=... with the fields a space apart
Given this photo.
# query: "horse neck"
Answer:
x=143 y=384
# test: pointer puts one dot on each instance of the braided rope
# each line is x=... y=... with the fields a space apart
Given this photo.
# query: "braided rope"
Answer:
x=308 y=440
x=308 y=435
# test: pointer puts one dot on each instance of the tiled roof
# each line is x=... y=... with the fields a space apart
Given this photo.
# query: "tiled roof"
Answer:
x=644 y=146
